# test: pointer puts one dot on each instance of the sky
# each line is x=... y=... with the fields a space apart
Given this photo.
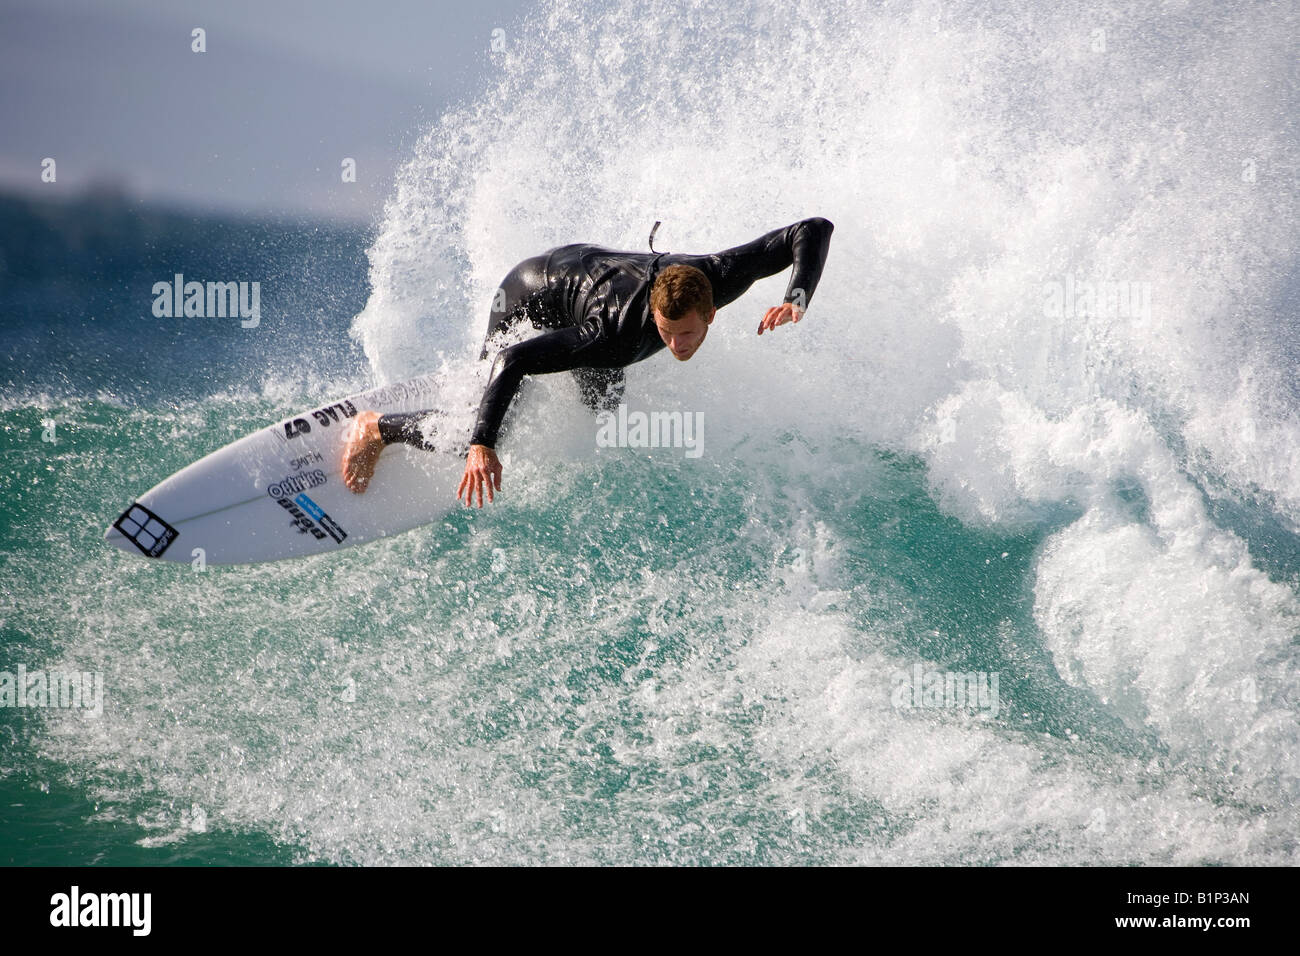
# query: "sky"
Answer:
x=260 y=122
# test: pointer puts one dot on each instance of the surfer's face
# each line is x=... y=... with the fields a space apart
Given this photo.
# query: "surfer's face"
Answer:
x=683 y=336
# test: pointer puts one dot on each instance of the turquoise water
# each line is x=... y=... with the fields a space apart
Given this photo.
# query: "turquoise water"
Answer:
x=555 y=688
x=640 y=657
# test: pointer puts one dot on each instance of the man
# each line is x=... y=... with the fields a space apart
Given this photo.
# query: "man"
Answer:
x=602 y=310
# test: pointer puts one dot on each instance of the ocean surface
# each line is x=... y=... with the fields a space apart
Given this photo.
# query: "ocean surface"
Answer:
x=1038 y=437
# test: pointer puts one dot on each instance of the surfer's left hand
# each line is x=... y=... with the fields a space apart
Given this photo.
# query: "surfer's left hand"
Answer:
x=780 y=315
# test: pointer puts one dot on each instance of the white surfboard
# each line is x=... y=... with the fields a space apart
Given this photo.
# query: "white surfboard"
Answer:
x=279 y=493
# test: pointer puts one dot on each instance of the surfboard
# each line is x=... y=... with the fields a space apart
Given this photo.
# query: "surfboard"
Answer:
x=279 y=493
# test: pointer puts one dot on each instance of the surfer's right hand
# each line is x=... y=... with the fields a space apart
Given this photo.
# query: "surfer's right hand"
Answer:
x=482 y=469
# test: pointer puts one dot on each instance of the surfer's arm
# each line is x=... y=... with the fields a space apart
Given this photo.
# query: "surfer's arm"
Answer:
x=556 y=351
x=801 y=247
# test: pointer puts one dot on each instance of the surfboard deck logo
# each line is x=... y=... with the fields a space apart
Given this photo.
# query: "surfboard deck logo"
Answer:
x=315 y=515
x=146 y=530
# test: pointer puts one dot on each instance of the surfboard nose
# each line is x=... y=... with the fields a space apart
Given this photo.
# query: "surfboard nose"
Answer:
x=118 y=540
x=138 y=528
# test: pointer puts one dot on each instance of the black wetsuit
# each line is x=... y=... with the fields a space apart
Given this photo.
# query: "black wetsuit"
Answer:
x=594 y=307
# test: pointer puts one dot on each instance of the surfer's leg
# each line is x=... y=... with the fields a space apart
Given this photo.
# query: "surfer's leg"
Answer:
x=601 y=388
x=409 y=428
x=372 y=432
x=523 y=294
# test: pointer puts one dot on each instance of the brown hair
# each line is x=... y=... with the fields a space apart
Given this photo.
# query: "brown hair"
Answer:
x=679 y=290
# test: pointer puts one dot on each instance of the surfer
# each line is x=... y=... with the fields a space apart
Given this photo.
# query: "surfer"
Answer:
x=599 y=311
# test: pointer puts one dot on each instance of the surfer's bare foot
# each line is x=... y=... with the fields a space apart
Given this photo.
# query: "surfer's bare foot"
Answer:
x=362 y=452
